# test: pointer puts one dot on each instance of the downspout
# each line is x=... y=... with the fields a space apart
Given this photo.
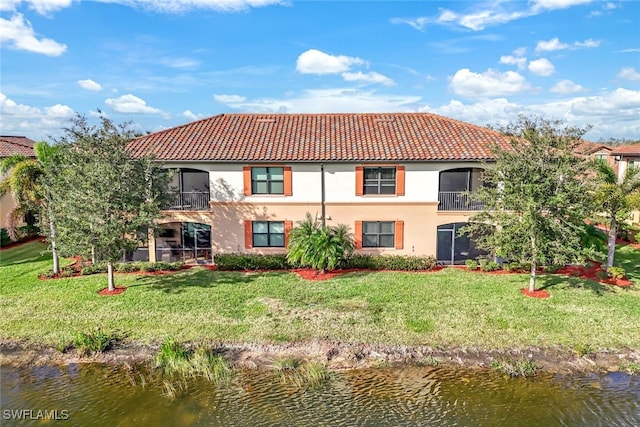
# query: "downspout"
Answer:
x=323 y=209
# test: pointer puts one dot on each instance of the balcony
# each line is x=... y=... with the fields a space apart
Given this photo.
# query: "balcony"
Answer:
x=189 y=201
x=457 y=201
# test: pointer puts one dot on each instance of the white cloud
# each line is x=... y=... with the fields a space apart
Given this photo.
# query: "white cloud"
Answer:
x=557 y=4
x=314 y=61
x=418 y=23
x=520 y=62
x=541 y=67
x=612 y=114
x=181 y=6
x=18 y=34
x=89 y=84
x=629 y=73
x=555 y=44
x=43 y=7
x=59 y=111
x=370 y=77
x=491 y=83
x=551 y=45
x=192 y=116
x=329 y=101
x=229 y=99
x=565 y=87
x=38 y=124
x=130 y=104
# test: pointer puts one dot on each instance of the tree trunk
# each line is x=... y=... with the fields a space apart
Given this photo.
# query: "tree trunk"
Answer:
x=110 y=276
x=54 y=251
x=532 y=274
x=93 y=255
x=611 y=244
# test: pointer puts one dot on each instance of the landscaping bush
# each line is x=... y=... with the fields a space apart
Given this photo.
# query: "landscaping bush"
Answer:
x=27 y=232
x=602 y=275
x=390 y=262
x=127 y=267
x=486 y=265
x=616 y=272
x=553 y=268
x=99 y=267
x=517 y=267
x=237 y=261
x=4 y=238
x=471 y=264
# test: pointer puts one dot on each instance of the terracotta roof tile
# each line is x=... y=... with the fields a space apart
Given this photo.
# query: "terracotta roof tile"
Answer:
x=627 y=150
x=10 y=145
x=322 y=137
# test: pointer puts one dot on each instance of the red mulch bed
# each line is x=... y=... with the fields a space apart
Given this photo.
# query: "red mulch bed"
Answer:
x=310 y=274
x=591 y=273
x=117 y=291
x=538 y=293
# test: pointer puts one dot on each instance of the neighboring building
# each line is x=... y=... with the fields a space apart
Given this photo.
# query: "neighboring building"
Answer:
x=627 y=156
x=9 y=146
x=595 y=151
x=243 y=180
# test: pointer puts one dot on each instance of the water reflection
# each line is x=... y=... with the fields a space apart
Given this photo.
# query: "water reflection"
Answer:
x=421 y=396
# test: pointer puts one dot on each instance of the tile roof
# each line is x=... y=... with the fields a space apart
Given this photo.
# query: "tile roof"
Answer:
x=627 y=150
x=10 y=145
x=588 y=147
x=321 y=137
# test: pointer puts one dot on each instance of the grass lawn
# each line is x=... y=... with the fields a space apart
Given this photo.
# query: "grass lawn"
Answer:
x=449 y=308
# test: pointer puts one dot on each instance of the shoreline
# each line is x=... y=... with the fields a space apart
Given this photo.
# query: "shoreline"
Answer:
x=336 y=356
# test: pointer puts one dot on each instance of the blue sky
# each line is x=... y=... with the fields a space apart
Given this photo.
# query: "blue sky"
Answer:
x=162 y=63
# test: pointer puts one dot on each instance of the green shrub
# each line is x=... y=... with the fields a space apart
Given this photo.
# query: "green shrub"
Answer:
x=602 y=275
x=486 y=265
x=471 y=264
x=4 y=238
x=237 y=261
x=27 y=232
x=616 y=272
x=176 y=359
x=127 y=267
x=95 y=341
x=390 y=262
x=99 y=267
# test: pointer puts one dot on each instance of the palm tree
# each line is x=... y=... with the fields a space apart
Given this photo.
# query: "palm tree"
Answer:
x=614 y=198
x=25 y=181
x=319 y=247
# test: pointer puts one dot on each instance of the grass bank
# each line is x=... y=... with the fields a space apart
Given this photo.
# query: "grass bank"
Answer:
x=451 y=308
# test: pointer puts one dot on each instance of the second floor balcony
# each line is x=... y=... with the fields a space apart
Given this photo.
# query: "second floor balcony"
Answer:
x=457 y=201
x=189 y=201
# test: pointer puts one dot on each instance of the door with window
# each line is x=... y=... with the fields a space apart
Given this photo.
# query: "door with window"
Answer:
x=453 y=248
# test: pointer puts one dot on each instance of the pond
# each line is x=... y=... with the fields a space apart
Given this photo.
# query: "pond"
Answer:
x=98 y=395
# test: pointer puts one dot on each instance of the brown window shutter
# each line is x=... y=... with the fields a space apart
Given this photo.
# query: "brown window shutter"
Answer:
x=246 y=173
x=248 y=234
x=359 y=180
x=399 y=180
x=399 y=243
x=358 y=235
x=288 y=184
x=288 y=225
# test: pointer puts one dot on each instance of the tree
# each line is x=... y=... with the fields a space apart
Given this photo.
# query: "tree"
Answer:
x=536 y=197
x=103 y=195
x=614 y=199
x=320 y=247
x=27 y=183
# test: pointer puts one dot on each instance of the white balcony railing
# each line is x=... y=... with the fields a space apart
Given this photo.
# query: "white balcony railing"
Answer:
x=189 y=201
x=457 y=201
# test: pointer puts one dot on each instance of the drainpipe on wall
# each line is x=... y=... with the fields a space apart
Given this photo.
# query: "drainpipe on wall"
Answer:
x=323 y=211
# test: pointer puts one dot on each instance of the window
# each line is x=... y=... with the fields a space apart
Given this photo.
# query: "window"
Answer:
x=380 y=180
x=600 y=157
x=378 y=234
x=267 y=180
x=267 y=234
x=261 y=180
